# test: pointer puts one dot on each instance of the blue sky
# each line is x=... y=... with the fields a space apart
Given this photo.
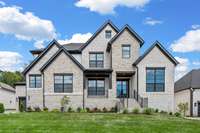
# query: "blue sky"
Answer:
x=27 y=25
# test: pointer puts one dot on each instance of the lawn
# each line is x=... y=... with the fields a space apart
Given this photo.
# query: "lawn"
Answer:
x=95 y=123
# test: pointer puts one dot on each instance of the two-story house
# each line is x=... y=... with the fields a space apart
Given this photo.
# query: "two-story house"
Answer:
x=106 y=71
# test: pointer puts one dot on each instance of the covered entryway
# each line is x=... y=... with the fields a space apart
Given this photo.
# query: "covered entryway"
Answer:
x=198 y=109
x=122 y=88
x=22 y=103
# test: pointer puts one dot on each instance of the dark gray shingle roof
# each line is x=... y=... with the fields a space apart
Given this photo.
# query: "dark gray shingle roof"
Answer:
x=73 y=46
x=190 y=80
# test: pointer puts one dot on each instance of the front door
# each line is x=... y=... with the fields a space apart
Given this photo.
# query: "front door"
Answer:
x=198 y=109
x=122 y=88
x=22 y=103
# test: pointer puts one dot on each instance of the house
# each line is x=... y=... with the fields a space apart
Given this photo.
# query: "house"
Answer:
x=7 y=96
x=187 y=90
x=106 y=71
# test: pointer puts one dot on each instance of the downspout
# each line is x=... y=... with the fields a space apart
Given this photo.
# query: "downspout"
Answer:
x=191 y=101
x=83 y=91
x=43 y=90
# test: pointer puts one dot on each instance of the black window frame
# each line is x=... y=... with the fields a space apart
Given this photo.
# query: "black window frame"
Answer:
x=96 y=88
x=108 y=34
x=126 y=45
x=95 y=63
x=35 y=84
x=155 y=83
x=63 y=84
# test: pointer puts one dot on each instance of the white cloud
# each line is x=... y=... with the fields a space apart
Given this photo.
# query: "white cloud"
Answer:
x=10 y=61
x=195 y=26
x=190 y=42
x=108 y=6
x=78 y=37
x=25 y=25
x=152 y=22
x=196 y=63
x=182 y=68
x=2 y=3
x=39 y=44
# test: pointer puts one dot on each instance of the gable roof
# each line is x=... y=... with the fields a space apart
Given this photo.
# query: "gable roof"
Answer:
x=56 y=55
x=190 y=80
x=54 y=42
x=98 y=31
x=162 y=49
x=6 y=87
x=131 y=31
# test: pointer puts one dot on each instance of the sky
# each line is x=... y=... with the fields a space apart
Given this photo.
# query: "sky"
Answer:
x=29 y=24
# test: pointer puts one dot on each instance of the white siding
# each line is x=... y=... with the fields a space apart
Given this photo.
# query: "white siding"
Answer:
x=7 y=98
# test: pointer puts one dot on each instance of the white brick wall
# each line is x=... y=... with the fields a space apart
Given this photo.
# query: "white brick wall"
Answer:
x=161 y=100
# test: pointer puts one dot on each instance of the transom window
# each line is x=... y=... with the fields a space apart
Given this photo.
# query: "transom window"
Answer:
x=96 y=87
x=35 y=81
x=108 y=34
x=63 y=83
x=155 y=79
x=126 y=51
x=96 y=60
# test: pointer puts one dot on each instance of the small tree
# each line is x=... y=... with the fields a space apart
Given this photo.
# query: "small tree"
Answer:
x=64 y=101
x=2 y=109
x=183 y=108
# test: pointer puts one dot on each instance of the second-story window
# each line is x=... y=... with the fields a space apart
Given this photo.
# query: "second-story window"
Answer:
x=35 y=81
x=96 y=60
x=108 y=34
x=126 y=51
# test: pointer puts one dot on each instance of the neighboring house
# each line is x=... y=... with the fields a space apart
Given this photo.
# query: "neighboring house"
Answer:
x=7 y=96
x=187 y=90
x=105 y=71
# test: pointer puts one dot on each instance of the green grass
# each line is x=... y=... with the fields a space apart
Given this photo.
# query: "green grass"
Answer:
x=95 y=123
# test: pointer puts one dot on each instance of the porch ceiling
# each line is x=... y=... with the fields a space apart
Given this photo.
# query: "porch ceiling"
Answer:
x=125 y=73
x=97 y=72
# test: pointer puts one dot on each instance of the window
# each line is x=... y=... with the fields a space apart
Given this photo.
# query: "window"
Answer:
x=155 y=79
x=108 y=34
x=63 y=83
x=96 y=87
x=35 y=81
x=96 y=60
x=126 y=51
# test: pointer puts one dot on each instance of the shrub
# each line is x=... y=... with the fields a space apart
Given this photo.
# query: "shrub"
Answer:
x=2 y=109
x=148 y=111
x=163 y=112
x=105 y=110
x=83 y=110
x=183 y=107
x=37 y=109
x=21 y=107
x=29 y=109
x=170 y=113
x=156 y=110
x=45 y=109
x=113 y=109
x=95 y=110
x=70 y=110
x=125 y=111
x=78 y=109
x=136 y=111
x=88 y=110
x=55 y=110
x=177 y=114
